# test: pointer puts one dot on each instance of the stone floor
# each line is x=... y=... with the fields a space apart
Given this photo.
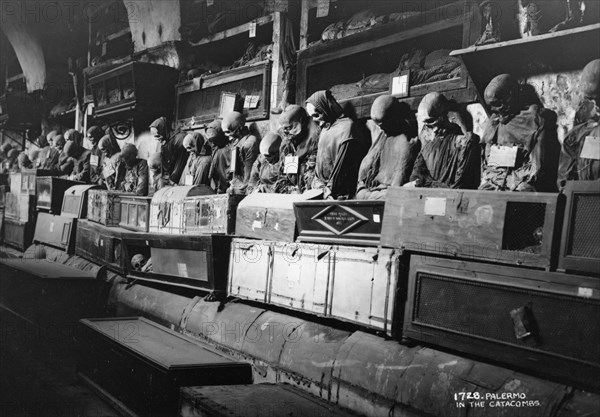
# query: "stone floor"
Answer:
x=38 y=373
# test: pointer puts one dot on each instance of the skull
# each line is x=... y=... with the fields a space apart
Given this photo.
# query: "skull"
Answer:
x=138 y=261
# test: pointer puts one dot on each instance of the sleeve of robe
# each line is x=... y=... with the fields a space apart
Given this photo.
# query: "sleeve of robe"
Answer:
x=141 y=187
x=545 y=156
x=344 y=176
x=468 y=175
x=83 y=169
x=420 y=172
x=250 y=152
x=202 y=170
x=254 y=180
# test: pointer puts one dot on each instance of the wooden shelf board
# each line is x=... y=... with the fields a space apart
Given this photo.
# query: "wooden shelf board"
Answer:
x=233 y=31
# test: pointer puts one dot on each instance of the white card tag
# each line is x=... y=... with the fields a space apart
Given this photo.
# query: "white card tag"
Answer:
x=376 y=218
x=94 y=160
x=435 y=206
x=290 y=165
x=182 y=269
x=585 y=292
x=400 y=85
x=591 y=148
x=210 y=2
x=233 y=165
x=51 y=227
x=188 y=180
x=322 y=8
x=256 y=224
x=503 y=156
x=252 y=29
x=107 y=171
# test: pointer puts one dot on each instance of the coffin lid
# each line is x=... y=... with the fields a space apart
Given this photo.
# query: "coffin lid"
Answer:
x=178 y=193
x=80 y=189
x=281 y=201
x=45 y=269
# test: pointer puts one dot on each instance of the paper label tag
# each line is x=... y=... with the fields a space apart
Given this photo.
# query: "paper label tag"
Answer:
x=503 y=156
x=322 y=8
x=591 y=148
x=376 y=218
x=210 y=3
x=233 y=165
x=251 y=102
x=94 y=160
x=256 y=224
x=252 y=29
x=188 y=180
x=435 y=206
x=290 y=165
x=293 y=276
x=51 y=227
x=182 y=269
x=585 y=292
x=400 y=85
x=107 y=171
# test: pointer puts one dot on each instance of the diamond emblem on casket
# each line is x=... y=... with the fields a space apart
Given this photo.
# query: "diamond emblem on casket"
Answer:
x=339 y=219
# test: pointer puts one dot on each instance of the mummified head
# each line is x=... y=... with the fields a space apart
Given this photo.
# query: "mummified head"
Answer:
x=138 y=261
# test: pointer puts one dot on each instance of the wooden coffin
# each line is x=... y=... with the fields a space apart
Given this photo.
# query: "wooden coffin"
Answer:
x=268 y=216
x=5 y=179
x=18 y=234
x=503 y=227
x=210 y=214
x=140 y=365
x=190 y=261
x=75 y=201
x=250 y=266
x=544 y=322
x=45 y=292
x=134 y=212
x=353 y=284
x=300 y=277
x=104 y=207
x=580 y=243
x=342 y=222
x=56 y=231
x=275 y=400
x=51 y=191
x=20 y=207
x=28 y=179
x=166 y=209
x=102 y=245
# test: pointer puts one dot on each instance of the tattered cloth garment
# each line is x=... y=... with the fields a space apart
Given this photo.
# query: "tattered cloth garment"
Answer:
x=389 y=162
x=305 y=149
x=247 y=150
x=219 y=173
x=451 y=160
x=572 y=166
x=534 y=132
x=133 y=179
x=265 y=177
x=196 y=170
x=340 y=151
x=173 y=154
x=48 y=158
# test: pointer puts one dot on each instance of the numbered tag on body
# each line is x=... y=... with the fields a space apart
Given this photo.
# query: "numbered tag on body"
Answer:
x=107 y=171
x=591 y=148
x=503 y=156
x=234 y=160
x=94 y=160
x=290 y=165
x=188 y=180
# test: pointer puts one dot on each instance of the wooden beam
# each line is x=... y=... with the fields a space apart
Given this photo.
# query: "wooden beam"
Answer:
x=233 y=31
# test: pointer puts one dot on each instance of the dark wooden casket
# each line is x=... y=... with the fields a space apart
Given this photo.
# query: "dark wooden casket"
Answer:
x=20 y=207
x=4 y=189
x=51 y=191
x=342 y=222
x=135 y=211
x=188 y=261
x=102 y=245
x=104 y=207
x=75 y=201
x=28 y=179
x=57 y=231
x=210 y=214
x=580 y=243
x=257 y=400
x=18 y=234
x=140 y=365
x=46 y=292
x=503 y=227
x=269 y=216
x=545 y=322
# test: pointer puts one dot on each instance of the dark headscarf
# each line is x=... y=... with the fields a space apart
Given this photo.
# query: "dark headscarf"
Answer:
x=161 y=126
x=214 y=134
x=325 y=103
x=96 y=133
x=109 y=143
x=42 y=142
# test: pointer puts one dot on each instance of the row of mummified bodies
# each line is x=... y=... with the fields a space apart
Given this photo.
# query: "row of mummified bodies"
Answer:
x=317 y=147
